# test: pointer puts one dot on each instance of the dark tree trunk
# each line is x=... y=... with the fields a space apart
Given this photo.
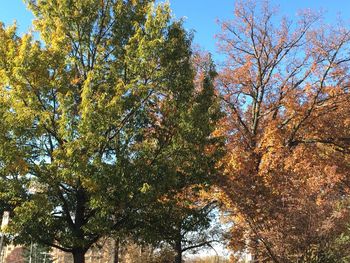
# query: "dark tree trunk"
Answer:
x=81 y=200
x=78 y=256
x=178 y=250
x=178 y=258
x=115 y=251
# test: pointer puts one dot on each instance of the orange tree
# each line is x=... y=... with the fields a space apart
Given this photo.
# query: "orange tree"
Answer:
x=285 y=92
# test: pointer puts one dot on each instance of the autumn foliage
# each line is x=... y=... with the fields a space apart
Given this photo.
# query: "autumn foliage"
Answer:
x=285 y=92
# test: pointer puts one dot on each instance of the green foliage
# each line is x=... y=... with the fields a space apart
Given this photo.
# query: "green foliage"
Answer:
x=183 y=227
x=181 y=219
x=100 y=118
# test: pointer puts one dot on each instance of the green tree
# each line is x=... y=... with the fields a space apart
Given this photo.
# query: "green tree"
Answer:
x=184 y=227
x=101 y=117
x=183 y=219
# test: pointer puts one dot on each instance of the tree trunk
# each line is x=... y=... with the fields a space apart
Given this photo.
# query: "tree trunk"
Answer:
x=115 y=251
x=178 y=250
x=178 y=258
x=78 y=256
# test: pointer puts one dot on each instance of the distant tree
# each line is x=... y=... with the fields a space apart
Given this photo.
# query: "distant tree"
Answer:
x=37 y=254
x=208 y=259
x=100 y=118
x=285 y=92
x=146 y=254
x=184 y=226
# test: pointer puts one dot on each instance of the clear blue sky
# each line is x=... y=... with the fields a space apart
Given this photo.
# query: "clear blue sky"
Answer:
x=201 y=15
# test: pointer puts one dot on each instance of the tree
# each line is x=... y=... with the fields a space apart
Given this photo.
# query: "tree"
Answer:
x=36 y=253
x=285 y=91
x=182 y=219
x=100 y=119
x=184 y=225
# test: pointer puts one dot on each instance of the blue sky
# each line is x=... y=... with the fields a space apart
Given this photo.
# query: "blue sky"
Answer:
x=201 y=15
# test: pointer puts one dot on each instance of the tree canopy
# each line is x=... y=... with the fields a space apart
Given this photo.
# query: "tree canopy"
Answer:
x=101 y=118
x=285 y=90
